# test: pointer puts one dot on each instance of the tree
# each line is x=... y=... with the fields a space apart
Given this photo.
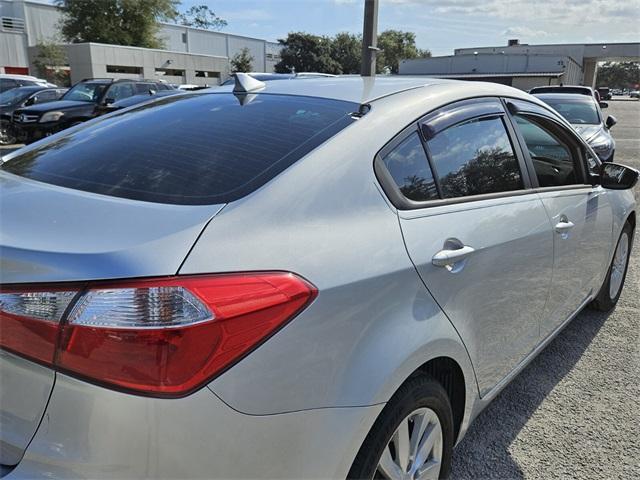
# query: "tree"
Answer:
x=396 y=45
x=242 y=61
x=201 y=16
x=303 y=52
x=50 y=57
x=118 y=22
x=619 y=74
x=346 y=49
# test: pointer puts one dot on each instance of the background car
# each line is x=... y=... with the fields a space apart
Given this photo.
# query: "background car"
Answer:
x=605 y=93
x=136 y=99
x=634 y=94
x=85 y=100
x=9 y=81
x=293 y=279
x=584 y=114
x=264 y=77
x=20 y=97
x=579 y=89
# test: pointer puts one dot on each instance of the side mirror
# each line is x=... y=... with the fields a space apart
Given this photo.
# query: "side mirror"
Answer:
x=611 y=121
x=109 y=100
x=30 y=102
x=618 y=177
x=152 y=91
x=604 y=105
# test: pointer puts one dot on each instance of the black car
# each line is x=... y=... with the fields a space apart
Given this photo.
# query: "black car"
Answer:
x=136 y=99
x=18 y=98
x=85 y=100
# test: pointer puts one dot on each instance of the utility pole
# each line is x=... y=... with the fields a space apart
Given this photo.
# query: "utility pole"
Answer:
x=369 y=38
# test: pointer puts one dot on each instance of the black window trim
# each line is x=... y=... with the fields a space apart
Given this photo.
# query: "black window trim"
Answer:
x=393 y=191
x=559 y=131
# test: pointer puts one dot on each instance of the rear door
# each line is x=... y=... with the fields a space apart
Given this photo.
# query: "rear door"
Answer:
x=478 y=235
x=580 y=214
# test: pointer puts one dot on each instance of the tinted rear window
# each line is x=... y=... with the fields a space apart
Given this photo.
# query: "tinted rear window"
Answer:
x=188 y=149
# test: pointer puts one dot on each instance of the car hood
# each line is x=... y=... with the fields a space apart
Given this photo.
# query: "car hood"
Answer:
x=57 y=105
x=588 y=131
x=55 y=234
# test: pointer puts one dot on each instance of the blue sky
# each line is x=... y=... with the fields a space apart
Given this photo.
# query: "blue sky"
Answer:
x=441 y=25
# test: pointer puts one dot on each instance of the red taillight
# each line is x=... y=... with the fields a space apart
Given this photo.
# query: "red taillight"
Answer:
x=162 y=337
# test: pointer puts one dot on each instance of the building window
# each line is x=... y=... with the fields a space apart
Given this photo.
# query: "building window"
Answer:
x=124 y=69
x=205 y=74
x=171 y=72
x=184 y=38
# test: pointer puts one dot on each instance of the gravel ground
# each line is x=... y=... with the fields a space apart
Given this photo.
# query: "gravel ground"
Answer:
x=574 y=412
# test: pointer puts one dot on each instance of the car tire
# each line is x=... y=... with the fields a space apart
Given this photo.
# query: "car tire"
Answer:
x=420 y=395
x=7 y=133
x=611 y=289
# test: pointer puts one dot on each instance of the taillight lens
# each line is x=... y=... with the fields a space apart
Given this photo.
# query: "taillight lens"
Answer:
x=29 y=320
x=163 y=337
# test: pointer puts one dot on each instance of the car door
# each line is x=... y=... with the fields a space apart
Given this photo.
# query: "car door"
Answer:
x=580 y=213
x=478 y=235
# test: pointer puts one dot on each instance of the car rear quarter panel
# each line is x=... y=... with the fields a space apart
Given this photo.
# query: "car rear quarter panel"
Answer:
x=373 y=323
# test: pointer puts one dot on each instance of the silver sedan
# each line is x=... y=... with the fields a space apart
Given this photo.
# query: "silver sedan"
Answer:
x=318 y=279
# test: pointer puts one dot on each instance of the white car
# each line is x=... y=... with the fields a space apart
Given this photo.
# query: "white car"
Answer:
x=9 y=81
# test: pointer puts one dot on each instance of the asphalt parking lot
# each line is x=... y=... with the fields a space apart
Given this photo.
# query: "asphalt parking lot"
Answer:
x=574 y=412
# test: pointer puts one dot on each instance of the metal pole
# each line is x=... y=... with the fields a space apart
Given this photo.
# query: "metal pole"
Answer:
x=369 y=38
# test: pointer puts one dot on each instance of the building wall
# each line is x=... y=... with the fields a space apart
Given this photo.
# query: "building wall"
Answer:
x=13 y=50
x=41 y=21
x=193 y=40
x=94 y=59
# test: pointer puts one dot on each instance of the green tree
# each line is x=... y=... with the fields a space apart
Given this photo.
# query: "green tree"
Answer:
x=48 y=62
x=619 y=74
x=396 y=45
x=118 y=22
x=242 y=61
x=304 y=52
x=201 y=16
x=346 y=49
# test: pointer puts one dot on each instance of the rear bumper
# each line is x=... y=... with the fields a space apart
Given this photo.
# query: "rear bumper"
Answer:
x=92 y=432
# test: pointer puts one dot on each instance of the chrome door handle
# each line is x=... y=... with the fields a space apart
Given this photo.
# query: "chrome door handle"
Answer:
x=563 y=226
x=445 y=257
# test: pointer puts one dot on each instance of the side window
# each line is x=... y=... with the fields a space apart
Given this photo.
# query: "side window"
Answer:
x=409 y=167
x=475 y=157
x=45 y=96
x=143 y=88
x=7 y=84
x=119 y=91
x=552 y=157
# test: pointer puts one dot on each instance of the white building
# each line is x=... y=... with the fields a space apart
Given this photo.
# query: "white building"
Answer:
x=190 y=55
x=523 y=65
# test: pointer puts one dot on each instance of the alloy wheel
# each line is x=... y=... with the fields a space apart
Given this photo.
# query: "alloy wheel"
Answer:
x=414 y=451
x=7 y=136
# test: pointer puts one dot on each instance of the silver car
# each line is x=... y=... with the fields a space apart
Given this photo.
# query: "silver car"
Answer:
x=584 y=114
x=318 y=279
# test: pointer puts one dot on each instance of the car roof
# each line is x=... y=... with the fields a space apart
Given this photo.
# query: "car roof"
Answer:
x=348 y=88
x=35 y=88
x=357 y=89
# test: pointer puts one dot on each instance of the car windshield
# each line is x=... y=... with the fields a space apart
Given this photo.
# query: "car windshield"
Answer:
x=85 y=92
x=16 y=95
x=578 y=112
x=190 y=149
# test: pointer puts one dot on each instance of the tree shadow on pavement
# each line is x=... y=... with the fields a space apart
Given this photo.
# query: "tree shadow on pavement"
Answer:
x=484 y=452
